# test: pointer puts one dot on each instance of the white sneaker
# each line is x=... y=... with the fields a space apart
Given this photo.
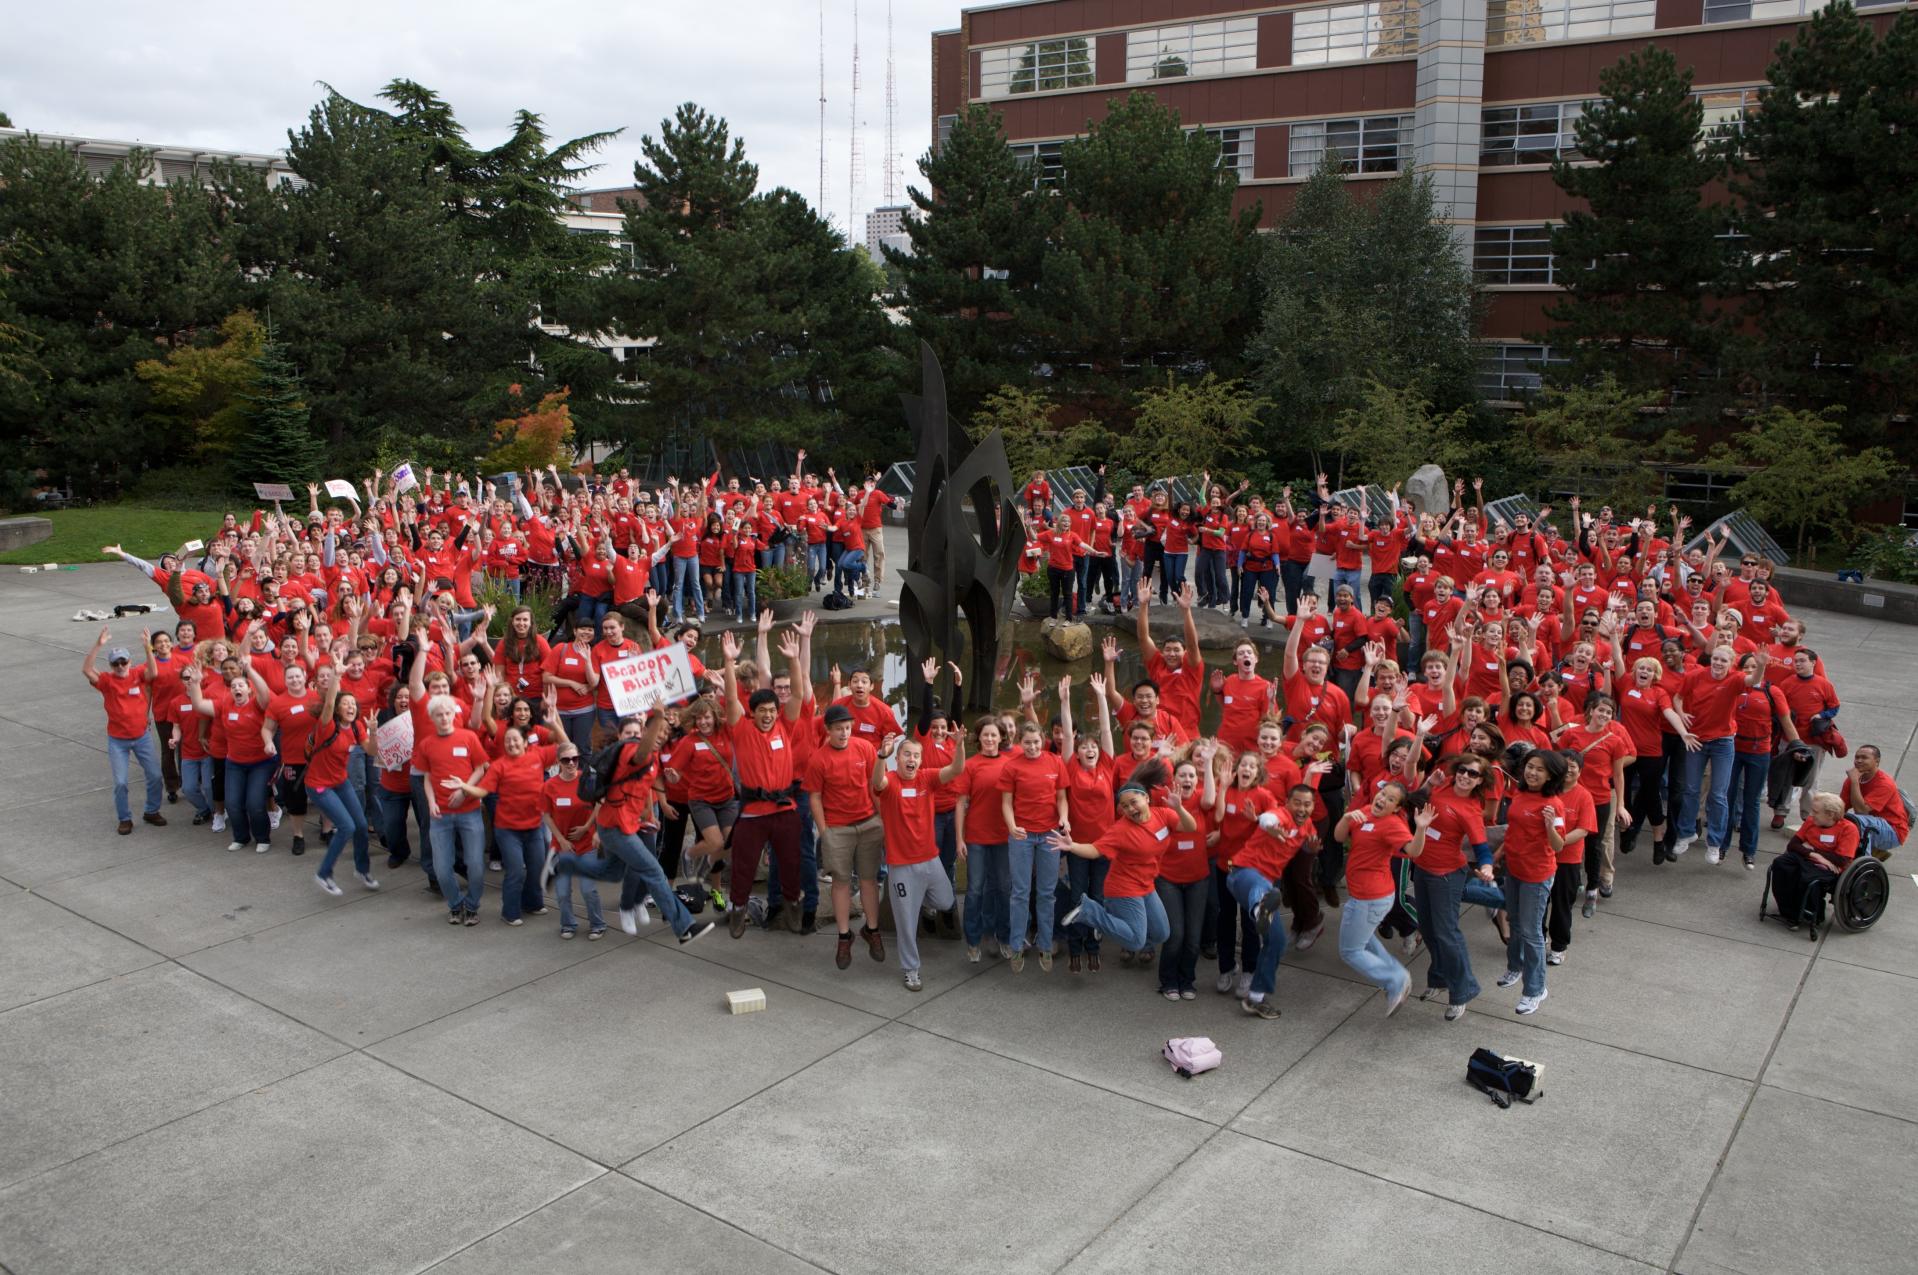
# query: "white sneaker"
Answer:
x=261 y=847
x=1682 y=844
x=273 y=819
x=1243 y=988
x=219 y=821
x=1509 y=977
x=367 y=882
x=629 y=920
x=1409 y=945
x=1072 y=917
x=236 y=845
x=644 y=912
x=1713 y=854
x=1530 y=1004
x=1555 y=958
x=328 y=884
x=1227 y=981
x=1311 y=936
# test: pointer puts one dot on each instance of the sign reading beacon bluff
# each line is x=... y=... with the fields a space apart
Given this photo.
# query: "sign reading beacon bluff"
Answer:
x=649 y=679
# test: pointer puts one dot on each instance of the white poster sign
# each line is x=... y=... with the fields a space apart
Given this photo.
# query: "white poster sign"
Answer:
x=342 y=488
x=395 y=742
x=640 y=682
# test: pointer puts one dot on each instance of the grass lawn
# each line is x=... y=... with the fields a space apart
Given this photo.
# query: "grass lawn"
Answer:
x=146 y=533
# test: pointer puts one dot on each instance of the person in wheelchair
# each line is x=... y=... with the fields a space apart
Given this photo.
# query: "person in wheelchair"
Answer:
x=1819 y=851
x=1872 y=802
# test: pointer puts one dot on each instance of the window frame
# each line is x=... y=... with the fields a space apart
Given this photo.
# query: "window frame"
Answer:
x=1361 y=126
x=1557 y=20
x=1538 y=246
x=1215 y=46
x=1564 y=135
x=1364 y=19
x=999 y=68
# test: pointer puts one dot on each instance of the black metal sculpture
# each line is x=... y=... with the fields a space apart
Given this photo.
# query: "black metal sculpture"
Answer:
x=962 y=573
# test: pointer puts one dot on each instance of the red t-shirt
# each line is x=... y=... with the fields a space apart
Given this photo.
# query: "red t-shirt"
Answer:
x=905 y=807
x=452 y=756
x=1185 y=860
x=567 y=664
x=1035 y=784
x=523 y=675
x=1711 y=702
x=1580 y=813
x=1179 y=688
x=871 y=721
x=978 y=783
x=520 y=783
x=1268 y=853
x=605 y=653
x=1243 y=702
x=127 y=702
x=1529 y=856
x=1239 y=812
x=1601 y=750
x=705 y=766
x=1135 y=850
x=559 y=799
x=1641 y=710
x=843 y=779
x=242 y=724
x=1458 y=824
x=326 y=761
x=1375 y=839
x=1089 y=797
x=1306 y=703
x=1839 y=843
x=1881 y=798
x=293 y=717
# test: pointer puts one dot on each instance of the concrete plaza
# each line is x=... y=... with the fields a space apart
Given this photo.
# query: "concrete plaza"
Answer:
x=207 y=1064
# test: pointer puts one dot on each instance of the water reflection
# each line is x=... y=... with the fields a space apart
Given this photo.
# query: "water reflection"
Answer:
x=879 y=647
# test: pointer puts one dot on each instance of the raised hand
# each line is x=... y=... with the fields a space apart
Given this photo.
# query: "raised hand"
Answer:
x=929 y=669
x=1065 y=687
x=729 y=645
x=789 y=644
x=1110 y=647
x=957 y=676
x=1097 y=683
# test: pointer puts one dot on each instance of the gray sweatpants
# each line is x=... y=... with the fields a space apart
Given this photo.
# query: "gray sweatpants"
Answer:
x=909 y=887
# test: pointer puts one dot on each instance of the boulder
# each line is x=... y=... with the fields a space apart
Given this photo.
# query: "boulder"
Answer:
x=1428 y=491
x=1216 y=628
x=1068 y=640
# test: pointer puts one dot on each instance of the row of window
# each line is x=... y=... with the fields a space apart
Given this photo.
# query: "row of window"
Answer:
x=1538 y=133
x=1523 y=254
x=1338 y=33
x=1046 y=158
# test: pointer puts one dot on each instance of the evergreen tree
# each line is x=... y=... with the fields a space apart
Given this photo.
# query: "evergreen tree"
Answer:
x=1798 y=472
x=1358 y=291
x=1639 y=267
x=276 y=442
x=976 y=250
x=1830 y=162
x=1146 y=261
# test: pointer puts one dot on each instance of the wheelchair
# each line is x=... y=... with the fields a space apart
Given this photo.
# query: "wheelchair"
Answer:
x=1856 y=899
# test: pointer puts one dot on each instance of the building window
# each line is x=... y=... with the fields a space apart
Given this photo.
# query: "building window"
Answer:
x=1349 y=32
x=1726 y=111
x=1513 y=371
x=945 y=131
x=1910 y=518
x=1534 y=134
x=1235 y=149
x=1197 y=48
x=1512 y=254
x=1044 y=159
x=1700 y=486
x=1035 y=67
x=1536 y=21
x=1375 y=144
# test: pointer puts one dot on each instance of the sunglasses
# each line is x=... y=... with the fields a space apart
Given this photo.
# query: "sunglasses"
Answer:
x=1476 y=774
x=569 y=761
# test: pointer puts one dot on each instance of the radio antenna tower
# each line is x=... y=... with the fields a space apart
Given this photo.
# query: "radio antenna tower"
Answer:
x=857 y=176
x=822 y=108
x=892 y=113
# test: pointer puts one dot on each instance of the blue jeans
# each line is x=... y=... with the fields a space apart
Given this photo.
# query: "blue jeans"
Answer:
x=635 y=886
x=745 y=595
x=1085 y=877
x=817 y=564
x=246 y=787
x=623 y=852
x=1130 y=570
x=1030 y=857
x=1238 y=936
x=1719 y=752
x=944 y=829
x=686 y=580
x=1525 y=903
x=850 y=568
x=1874 y=834
x=147 y=753
x=1185 y=904
x=1172 y=579
x=1211 y=575
x=363 y=773
x=563 y=891
x=1247 y=887
x=392 y=809
x=1134 y=922
x=196 y=783
x=1347 y=577
x=988 y=872
x=1744 y=797
x=341 y=805
x=1439 y=897
x=1359 y=945
x=1250 y=582
x=578 y=726
x=1297 y=581
x=464 y=830
x=522 y=853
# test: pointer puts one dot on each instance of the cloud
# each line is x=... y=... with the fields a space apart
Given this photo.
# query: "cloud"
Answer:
x=237 y=76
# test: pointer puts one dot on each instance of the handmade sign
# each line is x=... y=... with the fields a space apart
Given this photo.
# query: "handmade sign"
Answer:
x=395 y=742
x=273 y=491
x=651 y=678
x=404 y=478
x=342 y=488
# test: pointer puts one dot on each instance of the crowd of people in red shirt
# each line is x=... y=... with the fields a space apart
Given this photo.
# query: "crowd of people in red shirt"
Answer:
x=1510 y=710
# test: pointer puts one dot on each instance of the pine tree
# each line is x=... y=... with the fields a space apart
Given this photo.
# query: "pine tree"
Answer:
x=1640 y=266
x=1830 y=162
x=976 y=250
x=276 y=442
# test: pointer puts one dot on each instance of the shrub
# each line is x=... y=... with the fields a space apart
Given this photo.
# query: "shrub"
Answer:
x=776 y=584
x=1887 y=553
x=494 y=593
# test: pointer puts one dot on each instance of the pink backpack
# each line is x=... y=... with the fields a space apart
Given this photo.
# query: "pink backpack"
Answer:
x=1190 y=1055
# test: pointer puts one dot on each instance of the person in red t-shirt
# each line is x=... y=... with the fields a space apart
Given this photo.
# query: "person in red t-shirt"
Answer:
x=1032 y=801
x=1177 y=667
x=1873 y=801
x=852 y=840
x=1706 y=701
x=337 y=730
x=1131 y=911
x=452 y=758
x=1821 y=849
x=123 y=690
x=290 y=715
x=914 y=875
x=1536 y=825
x=1374 y=835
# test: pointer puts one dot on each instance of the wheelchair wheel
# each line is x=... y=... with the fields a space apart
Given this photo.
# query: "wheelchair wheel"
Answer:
x=1862 y=893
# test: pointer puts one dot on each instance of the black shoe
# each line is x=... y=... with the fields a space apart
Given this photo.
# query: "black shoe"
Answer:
x=299 y=845
x=198 y=820
x=173 y=797
x=808 y=923
x=471 y=917
x=1268 y=908
x=395 y=860
x=699 y=928
x=1209 y=951
x=774 y=915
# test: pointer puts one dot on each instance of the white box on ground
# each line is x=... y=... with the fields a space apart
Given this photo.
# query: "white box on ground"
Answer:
x=749 y=1001
x=640 y=682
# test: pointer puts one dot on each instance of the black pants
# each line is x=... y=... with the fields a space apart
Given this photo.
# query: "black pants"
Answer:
x=1293 y=574
x=1644 y=798
x=1058 y=591
x=1563 y=905
x=1102 y=576
x=1796 y=887
x=1674 y=786
x=1595 y=849
x=1211 y=584
x=1380 y=585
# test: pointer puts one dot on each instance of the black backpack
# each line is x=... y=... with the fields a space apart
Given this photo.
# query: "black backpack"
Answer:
x=1502 y=1079
x=836 y=601
x=597 y=781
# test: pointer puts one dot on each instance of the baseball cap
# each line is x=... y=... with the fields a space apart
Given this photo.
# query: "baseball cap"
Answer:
x=837 y=713
x=120 y=655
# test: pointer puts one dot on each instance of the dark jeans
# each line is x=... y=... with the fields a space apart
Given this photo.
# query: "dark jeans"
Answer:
x=246 y=787
x=1563 y=905
x=1440 y=896
x=1185 y=905
x=1295 y=577
x=1250 y=582
x=1086 y=879
x=1381 y=585
x=1212 y=584
x=522 y=853
x=1058 y=591
x=1747 y=798
x=1081 y=568
x=1102 y=575
x=1644 y=798
x=1238 y=934
x=623 y=854
x=1172 y=579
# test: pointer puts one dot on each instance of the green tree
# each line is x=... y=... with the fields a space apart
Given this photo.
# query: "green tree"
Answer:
x=201 y=390
x=6 y=121
x=1800 y=474
x=1639 y=268
x=1146 y=261
x=976 y=250
x=1192 y=426
x=1038 y=435
x=1394 y=430
x=276 y=442
x=1830 y=160
x=1588 y=435
x=1358 y=291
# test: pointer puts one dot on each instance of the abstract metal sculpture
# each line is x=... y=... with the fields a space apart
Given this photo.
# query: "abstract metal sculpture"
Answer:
x=962 y=572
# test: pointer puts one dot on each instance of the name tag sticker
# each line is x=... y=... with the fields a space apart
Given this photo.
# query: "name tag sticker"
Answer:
x=775 y=744
x=459 y=752
x=1827 y=838
x=562 y=801
x=297 y=708
x=909 y=793
x=1159 y=835
x=1365 y=827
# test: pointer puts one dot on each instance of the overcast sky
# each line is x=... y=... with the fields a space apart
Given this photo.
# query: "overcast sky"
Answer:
x=237 y=76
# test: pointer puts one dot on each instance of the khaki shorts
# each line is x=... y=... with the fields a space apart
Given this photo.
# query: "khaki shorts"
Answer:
x=855 y=850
